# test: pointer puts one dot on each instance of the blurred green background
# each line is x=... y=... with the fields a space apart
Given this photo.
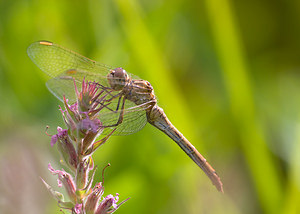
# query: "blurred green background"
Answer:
x=227 y=74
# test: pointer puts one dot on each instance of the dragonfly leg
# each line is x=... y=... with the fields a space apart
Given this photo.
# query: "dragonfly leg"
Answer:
x=118 y=105
x=103 y=87
x=108 y=91
x=106 y=106
x=120 y=120
x=113 y=97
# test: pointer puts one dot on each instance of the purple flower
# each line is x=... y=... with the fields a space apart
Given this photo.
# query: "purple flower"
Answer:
x=108 y=204
x=74 y=107
x=71 y=117
x=78 y=208
x=61 y=133
x=65 y=147
x=92 y=129
x=90 y=125
x=76 y=145
x=88 y=97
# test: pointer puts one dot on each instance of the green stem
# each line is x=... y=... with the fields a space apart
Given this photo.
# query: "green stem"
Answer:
x=238 y=84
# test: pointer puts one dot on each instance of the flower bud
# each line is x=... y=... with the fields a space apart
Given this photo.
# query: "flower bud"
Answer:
x=65 y=147
x=68 y=153
x=82 y=174
x=92 y=129
x=87 y=97
x=93 y=199
x=108 y=204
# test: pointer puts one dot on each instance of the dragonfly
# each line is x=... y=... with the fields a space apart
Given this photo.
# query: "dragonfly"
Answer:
x=133 y=102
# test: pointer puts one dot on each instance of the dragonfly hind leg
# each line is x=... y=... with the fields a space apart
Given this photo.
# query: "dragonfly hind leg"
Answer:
x=120 y=120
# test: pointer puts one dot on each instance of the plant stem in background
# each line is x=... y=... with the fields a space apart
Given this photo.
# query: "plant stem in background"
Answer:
x=238 y=83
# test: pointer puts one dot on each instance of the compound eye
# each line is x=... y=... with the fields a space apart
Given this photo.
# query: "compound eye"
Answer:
x=120 y=73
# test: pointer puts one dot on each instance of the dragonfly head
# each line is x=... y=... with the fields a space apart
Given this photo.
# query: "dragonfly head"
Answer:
x=118 y=78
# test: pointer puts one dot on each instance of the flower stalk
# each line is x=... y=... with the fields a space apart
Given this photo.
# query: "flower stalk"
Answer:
x=76 y=144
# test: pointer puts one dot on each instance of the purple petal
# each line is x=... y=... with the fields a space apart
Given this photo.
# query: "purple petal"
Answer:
x=51 y=168
x=55 y=172
x=59 y=183
x=90 y=125
x=61 y=132
x=54 y=139
x=78 y=208
x=74 y=107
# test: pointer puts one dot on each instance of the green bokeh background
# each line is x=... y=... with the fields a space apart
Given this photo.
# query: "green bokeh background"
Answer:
x=227 y=74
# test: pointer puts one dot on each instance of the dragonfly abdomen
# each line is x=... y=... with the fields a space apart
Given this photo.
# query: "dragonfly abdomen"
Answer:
x=158 y=119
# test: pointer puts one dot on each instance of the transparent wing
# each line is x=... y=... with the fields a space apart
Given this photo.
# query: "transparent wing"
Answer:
x=63 y=87
x=63 y=84
x=134 y=119
x=53 y=60
x=67 y=67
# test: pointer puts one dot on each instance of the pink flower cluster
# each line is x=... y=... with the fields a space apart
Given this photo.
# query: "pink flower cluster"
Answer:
x=76 y=145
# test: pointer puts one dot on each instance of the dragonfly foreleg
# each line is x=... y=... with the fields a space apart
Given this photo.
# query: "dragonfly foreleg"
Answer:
x=105 y=88
x=108 y=90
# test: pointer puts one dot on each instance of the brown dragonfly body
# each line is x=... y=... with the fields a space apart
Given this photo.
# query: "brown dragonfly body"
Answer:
x=141 y=92
x=132 y=100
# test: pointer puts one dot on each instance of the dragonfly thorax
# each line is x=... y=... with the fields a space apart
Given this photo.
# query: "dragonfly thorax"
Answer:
x=139 y=92
x=118 y=78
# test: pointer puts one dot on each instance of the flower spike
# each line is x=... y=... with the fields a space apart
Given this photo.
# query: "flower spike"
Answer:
x=76 y=145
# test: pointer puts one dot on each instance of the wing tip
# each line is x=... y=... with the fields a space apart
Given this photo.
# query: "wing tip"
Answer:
x=32 y=46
